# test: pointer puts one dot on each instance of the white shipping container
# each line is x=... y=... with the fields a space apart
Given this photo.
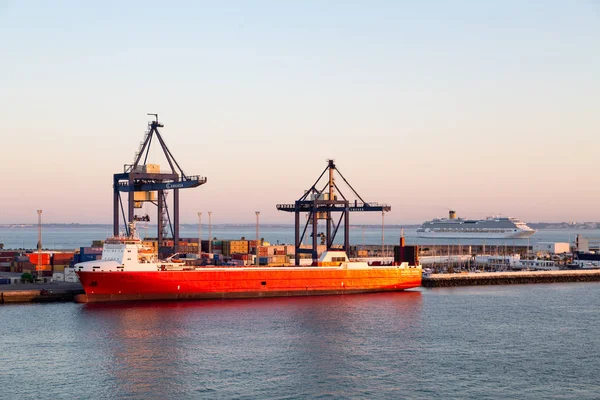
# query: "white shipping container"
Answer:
x=58 y=277
x=71 y=278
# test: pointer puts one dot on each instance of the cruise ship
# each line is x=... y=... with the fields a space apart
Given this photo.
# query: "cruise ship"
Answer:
x=490 y=228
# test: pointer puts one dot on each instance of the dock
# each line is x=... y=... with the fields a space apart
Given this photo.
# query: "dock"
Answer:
x=510 y=278
x=39 y=292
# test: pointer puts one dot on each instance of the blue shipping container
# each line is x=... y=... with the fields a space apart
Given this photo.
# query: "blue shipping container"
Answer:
x=89 y=257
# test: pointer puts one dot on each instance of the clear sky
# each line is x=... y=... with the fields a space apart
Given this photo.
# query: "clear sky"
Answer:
x=480 y=106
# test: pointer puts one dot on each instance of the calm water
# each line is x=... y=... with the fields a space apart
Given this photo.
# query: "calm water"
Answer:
x=525 y=342
x=72 y=237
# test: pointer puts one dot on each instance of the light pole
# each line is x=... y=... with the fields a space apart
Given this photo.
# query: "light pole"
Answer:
x=257 y=242
x=199 y=235
x=382 y=236
x=209 y=232
x=256 y=248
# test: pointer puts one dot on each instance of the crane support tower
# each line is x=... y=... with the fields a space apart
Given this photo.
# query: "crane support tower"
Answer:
x=321 y=205
x=144 y=182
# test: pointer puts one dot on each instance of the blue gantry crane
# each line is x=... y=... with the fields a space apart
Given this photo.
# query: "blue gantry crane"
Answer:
x=144 y=182
x=320 y=205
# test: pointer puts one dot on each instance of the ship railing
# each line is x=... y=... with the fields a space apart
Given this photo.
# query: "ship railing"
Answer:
x=194 y=178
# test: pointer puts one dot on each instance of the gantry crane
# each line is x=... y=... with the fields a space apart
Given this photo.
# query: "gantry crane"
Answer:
x=320 y=204
x=145 y=183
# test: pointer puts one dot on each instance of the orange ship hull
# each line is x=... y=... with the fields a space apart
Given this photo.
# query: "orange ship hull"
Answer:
x=243 y=282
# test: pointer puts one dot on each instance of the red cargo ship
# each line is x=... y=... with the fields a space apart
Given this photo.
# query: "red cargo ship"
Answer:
x=129 y=271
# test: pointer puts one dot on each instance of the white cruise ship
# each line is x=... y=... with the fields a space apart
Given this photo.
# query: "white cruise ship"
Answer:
x=489 y=228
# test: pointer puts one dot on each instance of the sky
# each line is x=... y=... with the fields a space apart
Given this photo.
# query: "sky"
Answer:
x=487 y=107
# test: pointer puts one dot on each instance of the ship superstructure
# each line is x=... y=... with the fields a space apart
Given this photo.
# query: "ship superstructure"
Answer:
x=494 y=227
x=128 y=254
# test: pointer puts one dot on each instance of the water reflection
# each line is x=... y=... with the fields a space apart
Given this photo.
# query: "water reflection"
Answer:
x=218 y=345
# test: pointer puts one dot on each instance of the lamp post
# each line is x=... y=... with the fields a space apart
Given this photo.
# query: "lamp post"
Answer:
x=209 y=232
x=382 y=235
x=199 y=235
x=256 y=248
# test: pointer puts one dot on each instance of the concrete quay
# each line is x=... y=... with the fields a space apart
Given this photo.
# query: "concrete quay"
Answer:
x=510 y=278
x=39 y=292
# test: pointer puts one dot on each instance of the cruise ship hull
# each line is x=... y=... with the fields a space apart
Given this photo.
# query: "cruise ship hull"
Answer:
x=244 y=282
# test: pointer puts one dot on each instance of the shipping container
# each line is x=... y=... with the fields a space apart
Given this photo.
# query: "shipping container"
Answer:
x=151 y=168
x=58 y=276
x=62 y=258
x=71 y=278
x=263 y=260
x=90 y=250
x=290 y=250
x=33 y=258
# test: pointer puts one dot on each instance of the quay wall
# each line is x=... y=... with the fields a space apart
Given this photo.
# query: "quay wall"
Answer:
x=39 y=293
x=509 y=278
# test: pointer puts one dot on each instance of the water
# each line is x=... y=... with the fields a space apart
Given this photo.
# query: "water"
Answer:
x=525 y=342
x=72 y=236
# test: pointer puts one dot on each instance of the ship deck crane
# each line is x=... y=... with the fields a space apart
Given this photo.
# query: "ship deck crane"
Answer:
x=140 y=178
x=321 y=204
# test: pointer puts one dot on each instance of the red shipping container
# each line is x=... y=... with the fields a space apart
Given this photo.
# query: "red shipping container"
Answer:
x=33 y=258
x=8 y=253
x=63 y=257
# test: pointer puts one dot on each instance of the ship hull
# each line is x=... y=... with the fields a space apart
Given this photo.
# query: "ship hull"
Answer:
x=473 y=235
x=228 y=283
